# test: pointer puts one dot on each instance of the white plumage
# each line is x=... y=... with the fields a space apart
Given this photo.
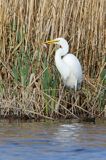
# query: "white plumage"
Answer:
x=67 y=64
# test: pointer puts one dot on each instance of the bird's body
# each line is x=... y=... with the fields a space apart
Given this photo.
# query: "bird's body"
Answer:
x=67 y=64
x=72 y=72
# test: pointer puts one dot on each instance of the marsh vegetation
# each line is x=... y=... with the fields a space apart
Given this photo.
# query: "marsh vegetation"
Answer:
x=30 y=84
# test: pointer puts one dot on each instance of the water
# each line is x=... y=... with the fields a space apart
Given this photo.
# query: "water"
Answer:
x=52 y=141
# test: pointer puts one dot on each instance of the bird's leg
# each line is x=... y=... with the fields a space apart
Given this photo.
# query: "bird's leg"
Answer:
x=75 y=97
x=58 y=103
x=73 y=100
x=76 y=100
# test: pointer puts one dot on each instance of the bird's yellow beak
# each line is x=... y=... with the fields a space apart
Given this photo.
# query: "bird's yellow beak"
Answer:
x=51 y=41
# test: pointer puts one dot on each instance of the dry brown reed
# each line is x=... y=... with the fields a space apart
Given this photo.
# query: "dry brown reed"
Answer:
x=29 y=85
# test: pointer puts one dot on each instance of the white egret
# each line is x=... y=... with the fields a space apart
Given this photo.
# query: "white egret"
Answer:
x=67 y=64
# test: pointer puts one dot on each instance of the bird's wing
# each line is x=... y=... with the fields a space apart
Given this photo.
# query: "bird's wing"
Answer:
x=74 y=64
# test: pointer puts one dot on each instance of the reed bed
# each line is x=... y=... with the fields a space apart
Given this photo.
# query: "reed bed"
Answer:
x=30 y=85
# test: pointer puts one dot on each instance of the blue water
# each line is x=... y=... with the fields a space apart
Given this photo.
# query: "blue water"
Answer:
x=52 y=141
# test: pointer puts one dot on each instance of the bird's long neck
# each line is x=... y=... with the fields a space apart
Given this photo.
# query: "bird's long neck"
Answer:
x=59 y=62
x=63 y=50
x=59 y=54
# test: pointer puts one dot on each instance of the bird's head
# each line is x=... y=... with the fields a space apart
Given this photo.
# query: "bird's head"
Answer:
x=59 y=41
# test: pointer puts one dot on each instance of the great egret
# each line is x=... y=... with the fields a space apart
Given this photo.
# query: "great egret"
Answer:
x=67 y=64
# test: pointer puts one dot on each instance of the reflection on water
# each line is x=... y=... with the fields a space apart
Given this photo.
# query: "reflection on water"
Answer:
x=52 y=141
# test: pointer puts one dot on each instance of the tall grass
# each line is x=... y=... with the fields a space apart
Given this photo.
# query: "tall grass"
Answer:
x=29 y=82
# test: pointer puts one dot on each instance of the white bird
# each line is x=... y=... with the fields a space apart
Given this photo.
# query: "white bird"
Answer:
x=67 y=64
